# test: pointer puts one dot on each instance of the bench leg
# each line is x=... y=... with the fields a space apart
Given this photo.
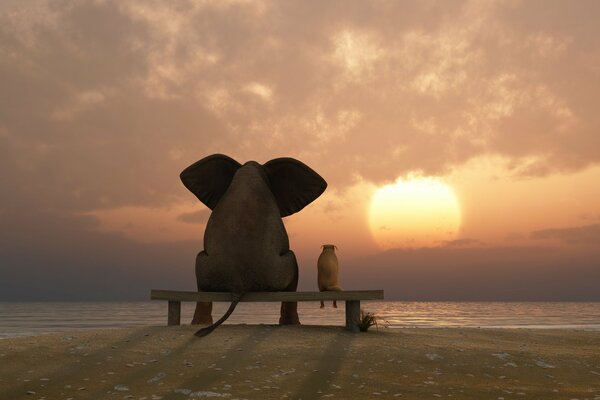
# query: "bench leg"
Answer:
x=352 y=315
x=174 y=313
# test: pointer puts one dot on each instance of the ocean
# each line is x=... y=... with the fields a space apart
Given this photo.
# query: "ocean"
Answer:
x=33 y=318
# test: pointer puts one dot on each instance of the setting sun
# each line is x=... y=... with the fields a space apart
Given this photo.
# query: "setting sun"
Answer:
x=416 y=212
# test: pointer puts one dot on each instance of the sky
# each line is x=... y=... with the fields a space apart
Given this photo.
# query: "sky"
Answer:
x=495 y=104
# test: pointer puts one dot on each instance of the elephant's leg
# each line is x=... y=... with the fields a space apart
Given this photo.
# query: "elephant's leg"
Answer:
x=289 y=309
x=203 y=312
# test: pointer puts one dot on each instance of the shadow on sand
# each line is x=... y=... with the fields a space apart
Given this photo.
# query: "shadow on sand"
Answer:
x=329 y=363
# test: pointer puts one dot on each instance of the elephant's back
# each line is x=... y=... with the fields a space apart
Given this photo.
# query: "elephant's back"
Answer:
x=247 y=218
x=245 y=236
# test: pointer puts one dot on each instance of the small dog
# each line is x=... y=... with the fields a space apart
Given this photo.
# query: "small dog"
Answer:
x=328 y=269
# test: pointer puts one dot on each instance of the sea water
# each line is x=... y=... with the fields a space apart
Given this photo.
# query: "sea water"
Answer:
x=32 y=318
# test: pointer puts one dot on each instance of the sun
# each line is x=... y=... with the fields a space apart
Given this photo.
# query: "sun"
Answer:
x=414 y=212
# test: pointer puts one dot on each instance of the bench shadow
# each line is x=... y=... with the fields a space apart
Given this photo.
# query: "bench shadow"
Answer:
x=148 y=371
x=334 y=355
x=231 y=360
x=72 y=371
x=204 y=377
x=140 y=376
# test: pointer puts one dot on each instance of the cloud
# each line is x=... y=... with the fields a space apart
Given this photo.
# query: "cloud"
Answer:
x=104 y=103
x=589 y=217
x=195 y=217
x=512 y=273
x=51 y=257
x=371 y=90
x=586 y=235
x=462 y=242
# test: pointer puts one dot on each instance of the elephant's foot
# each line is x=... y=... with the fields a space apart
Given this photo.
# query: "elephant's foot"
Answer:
x=203 y=314
x=334 y=304
x=322 y=305
x=289 y=313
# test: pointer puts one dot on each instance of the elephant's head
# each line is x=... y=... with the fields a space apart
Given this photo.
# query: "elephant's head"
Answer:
x=245 y=243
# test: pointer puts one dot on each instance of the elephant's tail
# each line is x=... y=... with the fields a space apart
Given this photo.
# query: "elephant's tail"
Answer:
x=209 y=329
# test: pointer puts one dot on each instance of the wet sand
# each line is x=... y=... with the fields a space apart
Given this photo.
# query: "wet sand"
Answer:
x=272 y=362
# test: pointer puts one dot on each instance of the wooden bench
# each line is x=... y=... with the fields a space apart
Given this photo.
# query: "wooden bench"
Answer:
x=351 y=297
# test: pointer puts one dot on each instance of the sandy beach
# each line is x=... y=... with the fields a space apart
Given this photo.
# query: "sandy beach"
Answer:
x=272 y=362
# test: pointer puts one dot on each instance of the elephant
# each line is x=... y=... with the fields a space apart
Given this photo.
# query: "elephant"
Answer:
x=246 y=246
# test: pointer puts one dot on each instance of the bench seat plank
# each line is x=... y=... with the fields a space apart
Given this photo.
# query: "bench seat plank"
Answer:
x=175 y=295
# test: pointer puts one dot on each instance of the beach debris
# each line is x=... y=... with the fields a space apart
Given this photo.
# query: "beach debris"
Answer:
x=156 y=378
x=156 y=397
x=30 y=392
x=503 y=356
x=541 y=363
x=203 y=393
x=183 y=391
x=121 y=388
x=434 y=356
x=287 y=372
x=510 y=364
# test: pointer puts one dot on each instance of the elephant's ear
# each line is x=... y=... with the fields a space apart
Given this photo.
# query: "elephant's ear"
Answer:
x=294 y=184
x=210 y=177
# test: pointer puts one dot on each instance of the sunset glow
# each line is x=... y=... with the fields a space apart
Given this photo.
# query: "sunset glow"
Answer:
x=487 y=111
x=417 y=212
